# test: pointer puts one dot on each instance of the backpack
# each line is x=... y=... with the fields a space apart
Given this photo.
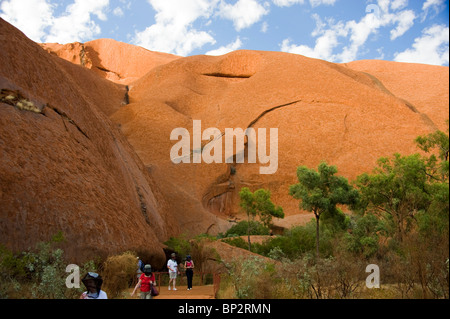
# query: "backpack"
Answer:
x=141 y=266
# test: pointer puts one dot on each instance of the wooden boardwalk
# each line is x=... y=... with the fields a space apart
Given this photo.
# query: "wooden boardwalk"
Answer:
x=200 y=292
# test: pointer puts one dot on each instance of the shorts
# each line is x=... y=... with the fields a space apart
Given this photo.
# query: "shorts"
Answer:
x=172 y=275
x=146 y=295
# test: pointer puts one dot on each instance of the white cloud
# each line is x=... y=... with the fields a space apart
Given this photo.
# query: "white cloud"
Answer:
x=264 y=27
x=76 y=24
x=244 y=13
x=314 y=3
x=324 y=45
x=173 y=31
x=354 y=34
x=320 y=25
x=431 y=48
x=435 y=4
x=405 y=21
x=327 y=40
x=32 y=17
x=287 y=3
x=172 y=38
x=118 y=12
x=127 y=3
x=359 y=34
x=398 y=4
x=226 y=49
x=36 y=18
x=380 y=54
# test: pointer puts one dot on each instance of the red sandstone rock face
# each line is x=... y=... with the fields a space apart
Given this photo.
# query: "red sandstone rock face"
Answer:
x=66 y=167
x=425 y=87
x=99 y=169
x=323 y=111
x=112 y=60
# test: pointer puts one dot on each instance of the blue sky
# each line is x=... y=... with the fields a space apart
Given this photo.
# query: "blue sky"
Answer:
x=333 y=30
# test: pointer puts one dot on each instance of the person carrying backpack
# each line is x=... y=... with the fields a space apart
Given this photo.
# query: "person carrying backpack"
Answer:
x=140 y=268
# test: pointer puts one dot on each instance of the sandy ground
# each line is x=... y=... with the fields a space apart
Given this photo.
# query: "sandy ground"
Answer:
x=199 y=292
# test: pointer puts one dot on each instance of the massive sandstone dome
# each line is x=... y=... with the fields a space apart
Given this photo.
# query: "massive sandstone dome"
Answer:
x=93 y=158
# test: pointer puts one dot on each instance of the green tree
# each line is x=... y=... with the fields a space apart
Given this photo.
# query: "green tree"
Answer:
x=433 y=224
x=321 y=191
x=396 y=191
x=407 y=189
x=259 y=204
x=437 y=142
x=365 y=235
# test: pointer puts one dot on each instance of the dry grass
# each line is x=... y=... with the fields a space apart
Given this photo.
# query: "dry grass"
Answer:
x=27 y=106
x=16 y=99
x=118 y=273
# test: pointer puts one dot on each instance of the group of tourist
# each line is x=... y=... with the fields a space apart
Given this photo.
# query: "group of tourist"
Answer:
x=146 y=280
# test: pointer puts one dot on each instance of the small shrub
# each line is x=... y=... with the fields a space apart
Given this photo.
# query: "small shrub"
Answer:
x=237 y=242
x=195 y=247
x=241 y=229
x=252 y=278
x=179 y=244
x=50 y=269
x=118 y=272
x=276 y=253
x=296 y=242
x=39 y=273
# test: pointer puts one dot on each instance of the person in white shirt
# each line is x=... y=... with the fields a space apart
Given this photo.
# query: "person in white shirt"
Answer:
x=172 y=266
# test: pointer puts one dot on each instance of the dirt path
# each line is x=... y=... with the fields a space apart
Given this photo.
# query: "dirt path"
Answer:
x=200 y=292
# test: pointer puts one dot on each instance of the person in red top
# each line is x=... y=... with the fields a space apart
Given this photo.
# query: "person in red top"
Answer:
x=189 y=266
x=146 y=280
